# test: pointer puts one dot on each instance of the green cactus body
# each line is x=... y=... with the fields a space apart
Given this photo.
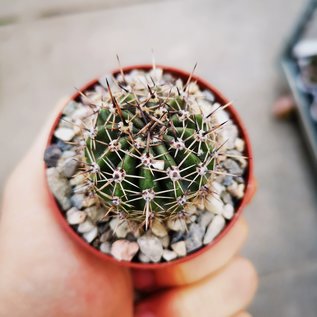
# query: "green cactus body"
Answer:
x=148 y=154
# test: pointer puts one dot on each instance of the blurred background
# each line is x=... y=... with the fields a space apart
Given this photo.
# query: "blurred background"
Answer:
x=49 y=47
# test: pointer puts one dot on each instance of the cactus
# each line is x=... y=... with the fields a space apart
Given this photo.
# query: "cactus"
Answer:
x=149 y=152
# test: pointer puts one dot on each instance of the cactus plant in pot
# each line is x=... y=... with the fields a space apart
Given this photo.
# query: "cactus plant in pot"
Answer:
x=148 y=167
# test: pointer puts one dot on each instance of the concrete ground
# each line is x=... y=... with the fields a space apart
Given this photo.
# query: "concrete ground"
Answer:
x=46 y=51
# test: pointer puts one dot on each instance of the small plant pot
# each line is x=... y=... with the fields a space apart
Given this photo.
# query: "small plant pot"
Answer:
x=250 y=185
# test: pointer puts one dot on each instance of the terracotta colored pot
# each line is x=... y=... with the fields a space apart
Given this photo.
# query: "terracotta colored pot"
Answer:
x=250 y=182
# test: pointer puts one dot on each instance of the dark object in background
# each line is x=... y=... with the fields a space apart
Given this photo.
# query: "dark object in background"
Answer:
x=299 y=62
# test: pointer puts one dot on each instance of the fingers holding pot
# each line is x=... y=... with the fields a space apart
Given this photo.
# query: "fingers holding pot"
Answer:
x=198 y=268
x=224 y=294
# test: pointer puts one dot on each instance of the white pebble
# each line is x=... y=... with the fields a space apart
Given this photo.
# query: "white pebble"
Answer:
x=169 y=255
x=220 y=115
x=217 y=188
x=239 y=144
x=105 y=237
x=228 y=211
x=89 y=201
x=59 y=186
x=165 y=241
x=78 y=179
x=214 y=228
x=159 y=229
x=205 y=107
x=105 y=247
x=144 y=258
x=151 y=246
x=214 y=204
x=156 y=74
x=179 y=248
x=85 y=226
x=91 y=235
x=75 y=216
x=119 y=227
x=124 y=250
x=176 y=225
x=64 y=134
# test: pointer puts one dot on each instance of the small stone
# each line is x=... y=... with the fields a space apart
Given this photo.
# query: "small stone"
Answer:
x=176 y=224
x=106 y=236
x=119 y=227
x=159 y=229
x=239 y=144
x=68 y=164
x=51 y=155
x=192 y=88
x=205 y=219
x=77 y=179
x=220 y=116
x=194 y=237
x=228 y=136
x=232 y=167
x=228 y=211
x=60 y=187
x=227 y=181
x=209 y=96
x=75 y=216
x=226 y=198
x=85 y=227
x=205 y=107
x=169 y=255
x=63 y=146
x=144 y=258
x=236 y=190
x=233 y=187
x=70 y=108
x=95 y=213
x=91 y=235
x=77 y=200
x=124 y=250
x=240 y=191
x=217 y=188
x=214 y=204
x=179 y=248
x=239 y=180
x=89 y=201
x=64 y=134
x=190 y=209
x=105 y=247
x=156 y=74
x=243 y=162
x=80 y=113
x=214 y=228
x=192 y=219
x=151 y=246
x=165 y=241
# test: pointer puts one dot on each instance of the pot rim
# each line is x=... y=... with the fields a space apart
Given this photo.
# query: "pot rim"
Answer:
x=249 y=189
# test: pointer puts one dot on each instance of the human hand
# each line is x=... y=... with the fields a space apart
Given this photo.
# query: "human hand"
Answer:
x=43 y=273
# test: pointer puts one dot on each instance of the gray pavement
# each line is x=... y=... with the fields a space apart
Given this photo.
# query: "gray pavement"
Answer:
x=236 y=45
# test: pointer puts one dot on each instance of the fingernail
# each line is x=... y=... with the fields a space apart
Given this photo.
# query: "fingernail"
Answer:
x=143 y=311
x=144 y=279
